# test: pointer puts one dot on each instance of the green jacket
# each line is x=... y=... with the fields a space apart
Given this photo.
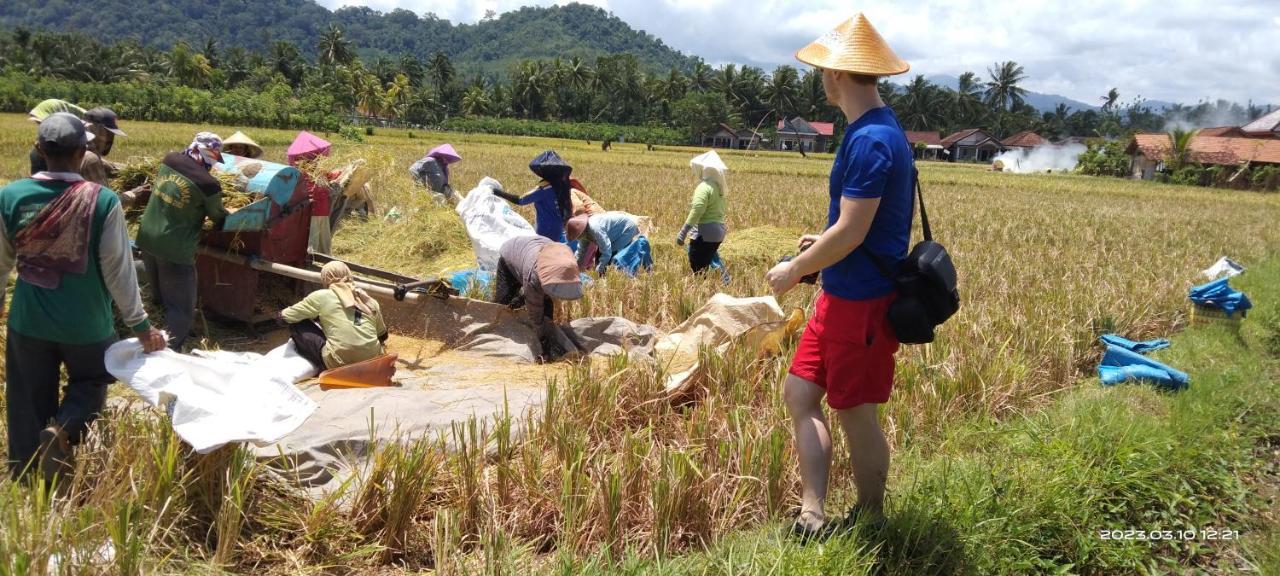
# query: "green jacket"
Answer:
x=182 y=196
x=707 y=206
x=79 y=311
x=347 y=339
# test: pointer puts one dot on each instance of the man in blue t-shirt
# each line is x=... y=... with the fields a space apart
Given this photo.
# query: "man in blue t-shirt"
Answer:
x=846 y=353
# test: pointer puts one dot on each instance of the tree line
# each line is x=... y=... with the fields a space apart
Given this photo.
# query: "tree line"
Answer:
x=281 y=87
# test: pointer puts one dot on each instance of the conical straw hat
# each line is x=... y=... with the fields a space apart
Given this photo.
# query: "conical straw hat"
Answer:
x=242 y=138
x=855 y=47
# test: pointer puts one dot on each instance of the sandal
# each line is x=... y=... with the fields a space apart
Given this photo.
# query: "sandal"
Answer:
x=860 y=515
x=808 y=530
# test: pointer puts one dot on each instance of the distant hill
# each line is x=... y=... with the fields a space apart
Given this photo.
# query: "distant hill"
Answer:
x=489 y=46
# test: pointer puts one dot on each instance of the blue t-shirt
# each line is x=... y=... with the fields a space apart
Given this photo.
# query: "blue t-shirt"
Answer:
x=548 y=222
x=874 y=161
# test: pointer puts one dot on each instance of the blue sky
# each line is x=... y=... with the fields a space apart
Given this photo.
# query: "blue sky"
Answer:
x=1175 y=50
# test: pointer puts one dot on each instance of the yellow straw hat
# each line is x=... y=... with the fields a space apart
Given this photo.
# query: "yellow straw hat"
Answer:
x=856 y=47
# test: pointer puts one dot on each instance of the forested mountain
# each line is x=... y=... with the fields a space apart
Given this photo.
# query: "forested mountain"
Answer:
x=490 y=46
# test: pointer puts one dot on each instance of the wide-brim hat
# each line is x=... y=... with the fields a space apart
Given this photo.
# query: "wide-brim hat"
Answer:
x=445 y=153
x=244 y=140
x=550 y=166
x=854 y=46
x=574 y=228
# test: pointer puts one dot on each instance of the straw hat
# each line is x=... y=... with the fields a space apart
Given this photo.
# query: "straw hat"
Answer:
x=856 y=47
x=244 y=140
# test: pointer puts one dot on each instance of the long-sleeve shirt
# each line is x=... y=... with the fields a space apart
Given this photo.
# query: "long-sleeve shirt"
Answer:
x=521 y=254
x=707 y=205
x=583 y=204
x=79 y=310
x=348 y=339
x=611 y=232
x=548 y=221
x=428 y=172
x=183 y=195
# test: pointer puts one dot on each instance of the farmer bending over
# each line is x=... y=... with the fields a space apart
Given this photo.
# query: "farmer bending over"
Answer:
x=69 y=242
x=846 y=352
x=337 y=325
x=432 y=171
x=610 y=233
x=539 y=270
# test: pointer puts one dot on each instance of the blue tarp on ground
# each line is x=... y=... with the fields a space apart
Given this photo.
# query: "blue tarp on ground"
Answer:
x=1219 y=294
x=635 y=256
x=1120 y=365
x=1132 y=346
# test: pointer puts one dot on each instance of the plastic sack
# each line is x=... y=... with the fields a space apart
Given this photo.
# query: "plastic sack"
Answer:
x=219 y=397
x=1120 y=365
x=637 y=255
x=490 y=222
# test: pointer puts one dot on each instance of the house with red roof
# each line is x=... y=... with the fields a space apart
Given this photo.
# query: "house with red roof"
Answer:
x=1025 y=140
x=926 y=145
x=798 y=134
x=1149 y=152
x=1267 y=126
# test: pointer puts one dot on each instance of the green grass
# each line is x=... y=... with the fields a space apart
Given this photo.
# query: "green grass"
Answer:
x=1032 y=494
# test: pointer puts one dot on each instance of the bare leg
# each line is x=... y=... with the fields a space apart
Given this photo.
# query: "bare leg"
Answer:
x=813 y=442
x=869 y=451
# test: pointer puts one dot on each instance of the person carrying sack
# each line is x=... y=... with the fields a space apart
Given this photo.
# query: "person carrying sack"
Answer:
x=847 y=351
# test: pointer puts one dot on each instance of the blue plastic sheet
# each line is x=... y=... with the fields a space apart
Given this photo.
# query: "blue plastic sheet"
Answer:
x=1120 y=365
x=463 y=279
x=1219 y=294
x=1132 y=346
x=635 y=256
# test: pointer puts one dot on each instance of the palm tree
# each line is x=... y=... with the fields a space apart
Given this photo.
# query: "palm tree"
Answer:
x=700 y=77
x=783 y=91
x=1109 y=99
x=370 y=97
x=334 y=47
x=440 y=69
x=530 y=85
x=920 y=105
x=812 y=98
x=1003 y=91
x=475 y=102
x=287 y=60
x=398 y=97
x=412 y=67
x=1180 y=155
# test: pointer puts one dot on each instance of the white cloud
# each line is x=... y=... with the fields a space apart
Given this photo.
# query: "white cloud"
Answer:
x=1179 y=50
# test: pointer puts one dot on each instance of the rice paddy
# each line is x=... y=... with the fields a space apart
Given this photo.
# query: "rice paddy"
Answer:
x=604 y=472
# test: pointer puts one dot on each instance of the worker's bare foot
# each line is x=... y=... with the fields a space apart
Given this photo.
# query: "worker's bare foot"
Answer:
x=810 y=525
x=55 y=454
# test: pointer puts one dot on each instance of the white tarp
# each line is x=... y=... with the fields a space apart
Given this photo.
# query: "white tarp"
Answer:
x=490 y=222
x=219 y=397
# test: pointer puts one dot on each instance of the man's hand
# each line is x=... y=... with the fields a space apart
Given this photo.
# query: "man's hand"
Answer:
x=806 y=241
x=152 y=340
x=782 y=278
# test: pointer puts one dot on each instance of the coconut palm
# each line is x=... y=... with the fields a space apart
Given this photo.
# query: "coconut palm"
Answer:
x=475 y=102
x=1003 y=91
x=1180 y=154
x=921 y=105
x=334 y=47
x=440 y=70
x=1109 y=100
x=783 y=91
x=700 y=77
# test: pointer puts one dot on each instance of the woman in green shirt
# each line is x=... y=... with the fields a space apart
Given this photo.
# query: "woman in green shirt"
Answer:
x=337 y=325
x=706 y=215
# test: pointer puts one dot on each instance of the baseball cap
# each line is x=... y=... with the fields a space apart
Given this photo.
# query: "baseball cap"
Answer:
x=64 y=131
x=106 y=118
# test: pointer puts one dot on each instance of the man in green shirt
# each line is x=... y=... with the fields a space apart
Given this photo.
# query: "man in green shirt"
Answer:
x=68 y=241
x=182 y=196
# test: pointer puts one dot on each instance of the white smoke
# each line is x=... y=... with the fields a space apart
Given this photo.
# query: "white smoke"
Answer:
x=1041 y=159
x=1216 y=116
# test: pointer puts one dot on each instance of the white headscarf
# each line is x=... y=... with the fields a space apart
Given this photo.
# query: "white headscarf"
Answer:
x=206 y=149
x=709 y=167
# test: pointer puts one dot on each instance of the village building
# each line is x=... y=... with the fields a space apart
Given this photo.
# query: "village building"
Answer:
x=972 y=145
x=1267 y=126
x=925 y=145
x=726 y=136
x=799 y=134
x=1149 y=152
x=1025 y=141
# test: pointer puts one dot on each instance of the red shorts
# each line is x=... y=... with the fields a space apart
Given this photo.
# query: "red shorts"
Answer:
x=847 y=349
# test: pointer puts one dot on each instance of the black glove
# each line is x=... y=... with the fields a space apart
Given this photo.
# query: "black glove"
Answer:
x=509 y=197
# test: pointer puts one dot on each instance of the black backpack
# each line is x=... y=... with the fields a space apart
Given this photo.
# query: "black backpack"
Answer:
x=926 y=281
